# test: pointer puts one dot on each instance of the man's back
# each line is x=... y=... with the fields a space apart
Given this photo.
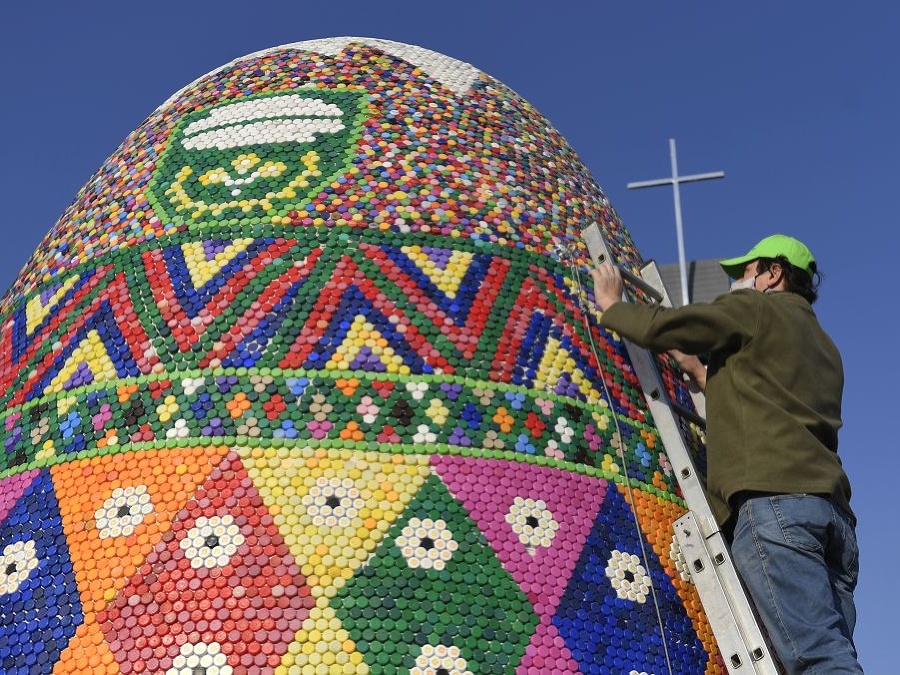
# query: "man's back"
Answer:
x=774 y=401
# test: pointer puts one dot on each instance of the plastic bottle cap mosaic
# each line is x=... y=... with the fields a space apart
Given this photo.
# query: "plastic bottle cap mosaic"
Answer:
x=306 y=380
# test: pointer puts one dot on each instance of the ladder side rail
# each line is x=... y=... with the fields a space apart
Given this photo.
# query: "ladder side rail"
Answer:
x=731 y=618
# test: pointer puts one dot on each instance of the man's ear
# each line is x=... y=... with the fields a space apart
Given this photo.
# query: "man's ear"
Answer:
x=777 y=276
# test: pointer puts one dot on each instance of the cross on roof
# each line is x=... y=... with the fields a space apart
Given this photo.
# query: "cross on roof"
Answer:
x=675 y=181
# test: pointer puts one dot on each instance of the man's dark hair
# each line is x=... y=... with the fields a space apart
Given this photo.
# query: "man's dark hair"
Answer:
x=797 y=280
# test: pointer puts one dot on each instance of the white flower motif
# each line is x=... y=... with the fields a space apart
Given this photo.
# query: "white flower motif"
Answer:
x=417 y=389
x=180 y=430
x=123 y=511
x=16 y=563
x=628 y=576
x=532 y=522
x=335 y=500
x=192 y=384
x=211 y=542
x=440 y=660
x=565 y=431
x=424 y=434
x=203 y=657
x=427 y=543
x=681 y=563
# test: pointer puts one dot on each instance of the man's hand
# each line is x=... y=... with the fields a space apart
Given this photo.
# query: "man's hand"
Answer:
x=607 y=285
x=692 y=367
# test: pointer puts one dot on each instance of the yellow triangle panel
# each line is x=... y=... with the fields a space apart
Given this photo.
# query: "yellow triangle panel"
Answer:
x=447 y=276
x=363 y=341
x=90 y=354
x=333 y=507
x=37 y=309
x=556 y=362
x=201 y=267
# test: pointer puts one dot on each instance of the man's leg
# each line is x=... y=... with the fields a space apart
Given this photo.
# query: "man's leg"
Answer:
x=783 y=546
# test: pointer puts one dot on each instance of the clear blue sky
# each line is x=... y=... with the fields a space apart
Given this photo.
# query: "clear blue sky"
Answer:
x=798 y=102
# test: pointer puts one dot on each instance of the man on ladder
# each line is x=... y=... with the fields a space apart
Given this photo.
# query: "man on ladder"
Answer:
x=775 y=483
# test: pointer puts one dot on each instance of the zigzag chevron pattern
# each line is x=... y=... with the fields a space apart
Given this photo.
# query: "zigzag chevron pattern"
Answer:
x=105 y=341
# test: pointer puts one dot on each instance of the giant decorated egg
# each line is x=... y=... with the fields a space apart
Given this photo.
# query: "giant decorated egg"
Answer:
x=307 y=380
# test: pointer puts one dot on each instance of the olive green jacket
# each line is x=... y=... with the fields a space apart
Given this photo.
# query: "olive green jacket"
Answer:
x=773 y=390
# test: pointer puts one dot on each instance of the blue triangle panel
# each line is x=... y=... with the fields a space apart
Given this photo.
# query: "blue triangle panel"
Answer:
x=609 y=634
x=39 y=604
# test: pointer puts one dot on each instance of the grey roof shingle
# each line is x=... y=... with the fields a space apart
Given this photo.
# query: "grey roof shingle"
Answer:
x=706 y=280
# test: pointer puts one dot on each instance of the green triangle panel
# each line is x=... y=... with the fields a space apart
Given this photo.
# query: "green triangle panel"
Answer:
x=434 y=590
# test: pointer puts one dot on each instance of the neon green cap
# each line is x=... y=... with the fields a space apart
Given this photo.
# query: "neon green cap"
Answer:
x=772 y=247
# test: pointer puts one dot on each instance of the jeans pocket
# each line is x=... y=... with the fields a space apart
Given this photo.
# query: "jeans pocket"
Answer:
x=804 y=520
x=849 y=549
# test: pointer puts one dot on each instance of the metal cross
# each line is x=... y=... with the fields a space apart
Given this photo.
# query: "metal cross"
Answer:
x=675 y=181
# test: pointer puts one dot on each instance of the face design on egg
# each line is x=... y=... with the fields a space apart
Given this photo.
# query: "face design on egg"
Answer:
x=257 y=157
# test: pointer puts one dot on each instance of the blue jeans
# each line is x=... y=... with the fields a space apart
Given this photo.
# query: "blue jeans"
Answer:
x=798 y=557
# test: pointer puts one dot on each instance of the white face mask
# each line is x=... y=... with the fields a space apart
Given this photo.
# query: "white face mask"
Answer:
x=738 y=284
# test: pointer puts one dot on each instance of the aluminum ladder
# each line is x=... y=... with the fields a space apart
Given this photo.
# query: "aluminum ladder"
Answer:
x=731 y=616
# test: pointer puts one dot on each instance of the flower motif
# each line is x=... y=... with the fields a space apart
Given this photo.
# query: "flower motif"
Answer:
x=192 y=384
x=16 y=563
x=427 y=543
x=102 y=417
x=492 y=440
x=287 y=430
x=200 y=657
x=368 y=409
x=437 y=411
x=244 y=162
x=319 y=430
x=167 y=408
x=440 y=660
x=522 y=445
x=417 y=389
x=680 y=562
x=564 y=429
x=451 y=390
x=628 y=576
x=297 y=385
x=333 y=499
x=515 y=399
x=602 y=420
x=179 y=430
x=485 y=396
x=545 y=405
x=123 y=511
x=664 y=464
x=532 y=522
x=424 y=434
x=211 y=542
x=552 y=450
x=320 y=407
